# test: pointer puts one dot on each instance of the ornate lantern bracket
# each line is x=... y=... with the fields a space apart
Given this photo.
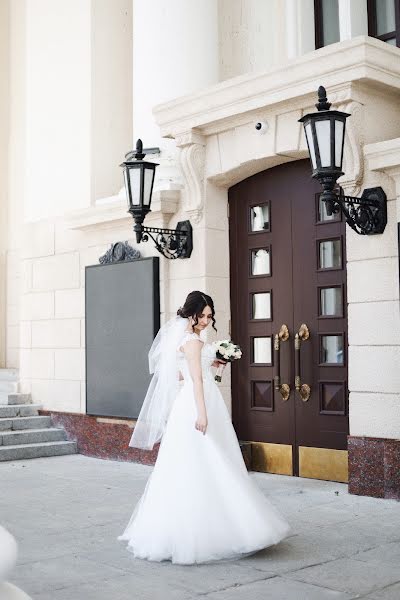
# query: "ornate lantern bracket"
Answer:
x=139 y=178
x=365 y=215
x=325 y=131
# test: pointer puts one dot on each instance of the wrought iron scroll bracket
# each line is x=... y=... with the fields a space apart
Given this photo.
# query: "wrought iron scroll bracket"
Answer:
x=365 y=215
x=171 y=243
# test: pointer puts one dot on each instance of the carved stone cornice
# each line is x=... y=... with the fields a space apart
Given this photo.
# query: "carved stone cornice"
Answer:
x=361 y=59
x=192 y=159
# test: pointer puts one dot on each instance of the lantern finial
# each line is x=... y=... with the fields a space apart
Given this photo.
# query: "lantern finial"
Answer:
x=322 y=103
x=139 y=150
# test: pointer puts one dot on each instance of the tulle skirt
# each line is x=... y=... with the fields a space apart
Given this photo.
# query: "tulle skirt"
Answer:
x=200 y=504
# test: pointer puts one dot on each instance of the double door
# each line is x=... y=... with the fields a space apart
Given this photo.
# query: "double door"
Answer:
x=288 y=314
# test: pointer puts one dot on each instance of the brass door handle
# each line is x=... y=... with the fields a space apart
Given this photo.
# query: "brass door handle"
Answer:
x=303 y=388
x=282 y=388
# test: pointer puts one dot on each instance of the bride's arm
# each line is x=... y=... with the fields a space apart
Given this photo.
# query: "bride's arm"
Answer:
x=193 y=355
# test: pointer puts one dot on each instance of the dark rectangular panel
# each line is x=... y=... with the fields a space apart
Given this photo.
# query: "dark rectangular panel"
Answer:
x=122 y=309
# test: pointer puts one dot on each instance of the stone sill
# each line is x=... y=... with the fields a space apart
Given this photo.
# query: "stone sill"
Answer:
x=112 y=212
x=383 y=156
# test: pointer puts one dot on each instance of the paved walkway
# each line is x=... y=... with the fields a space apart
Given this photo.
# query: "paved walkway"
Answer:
x=66 y=513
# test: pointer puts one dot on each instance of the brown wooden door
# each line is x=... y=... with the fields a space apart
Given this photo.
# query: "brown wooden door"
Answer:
x=287 y=267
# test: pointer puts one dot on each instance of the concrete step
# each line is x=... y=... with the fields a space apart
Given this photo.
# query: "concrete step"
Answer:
x=18 y=423
x=25 y=451
x=9 y=374
x=8 y=386
x=19 y=410
x=14 y=398
x=32 y=436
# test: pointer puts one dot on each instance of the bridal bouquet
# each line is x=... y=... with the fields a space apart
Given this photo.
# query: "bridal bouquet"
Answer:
x=228 y=351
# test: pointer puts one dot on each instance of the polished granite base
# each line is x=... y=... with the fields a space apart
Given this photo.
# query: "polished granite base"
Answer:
x=374 y=463
x=374 y=467
x=102 y=437
x=108 y=437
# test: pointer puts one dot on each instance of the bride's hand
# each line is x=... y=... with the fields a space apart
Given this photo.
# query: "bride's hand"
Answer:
x=217 y=362
x=201 y=423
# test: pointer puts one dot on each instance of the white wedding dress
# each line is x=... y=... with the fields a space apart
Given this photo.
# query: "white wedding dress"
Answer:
x=200 y=504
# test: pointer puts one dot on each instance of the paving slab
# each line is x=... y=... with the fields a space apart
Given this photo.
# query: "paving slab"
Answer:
x=66 y=513
x=349 y=575
x=392 y=592
x=279 y=589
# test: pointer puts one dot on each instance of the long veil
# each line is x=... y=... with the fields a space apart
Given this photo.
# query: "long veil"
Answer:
x=163 y=386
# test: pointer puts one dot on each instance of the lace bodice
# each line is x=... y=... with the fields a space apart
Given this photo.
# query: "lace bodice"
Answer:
x=207 y=357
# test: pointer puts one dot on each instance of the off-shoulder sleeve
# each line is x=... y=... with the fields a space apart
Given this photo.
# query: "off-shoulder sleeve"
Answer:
x=187 y=338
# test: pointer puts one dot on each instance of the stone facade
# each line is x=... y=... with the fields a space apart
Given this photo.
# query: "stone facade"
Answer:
x=66 y=207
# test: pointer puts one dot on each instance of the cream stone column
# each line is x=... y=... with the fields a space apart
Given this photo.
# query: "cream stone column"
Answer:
x=175 y=53
x=4 y=136
x=374 y=315
x=78 y=102
x=71 y=117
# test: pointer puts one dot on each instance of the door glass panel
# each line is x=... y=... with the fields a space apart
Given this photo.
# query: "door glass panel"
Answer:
x=385 y=16
x=260 y=262
x=331 y=302
x=262 y=350
x=332 y=349
x=330 y=254
x=261 y=305
x=322 y=214
x=261 y=395
x=259 y=218
x=333 y=398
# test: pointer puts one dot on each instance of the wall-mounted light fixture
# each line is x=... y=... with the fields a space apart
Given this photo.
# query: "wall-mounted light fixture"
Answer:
x=325 y=131
x=139 y=179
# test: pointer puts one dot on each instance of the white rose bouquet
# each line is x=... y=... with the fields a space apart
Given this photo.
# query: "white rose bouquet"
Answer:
x=225 y=350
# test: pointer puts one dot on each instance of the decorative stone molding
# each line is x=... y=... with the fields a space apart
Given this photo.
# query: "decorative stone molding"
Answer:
x=119 y=252
x=360 y=59
x=353 y=154
x=224 y=115
x=384 y=156
x=383 y=159
x=192 y=159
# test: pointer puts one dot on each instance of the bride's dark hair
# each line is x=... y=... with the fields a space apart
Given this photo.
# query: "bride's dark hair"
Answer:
x=194 y=305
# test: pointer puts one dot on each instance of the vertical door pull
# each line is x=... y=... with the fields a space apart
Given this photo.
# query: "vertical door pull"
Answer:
x=282 y=388
x=303 y=388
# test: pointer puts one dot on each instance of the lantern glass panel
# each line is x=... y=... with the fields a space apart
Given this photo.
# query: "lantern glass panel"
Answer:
x=339 y=132
x=310 y=141
x=134 y=177
x=148 y=184
x=323 y=131
x=126 y=185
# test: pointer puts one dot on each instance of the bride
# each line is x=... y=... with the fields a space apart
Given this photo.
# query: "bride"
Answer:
x=200 y=503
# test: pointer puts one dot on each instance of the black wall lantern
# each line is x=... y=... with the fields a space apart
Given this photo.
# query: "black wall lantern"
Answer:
x=139 y=179
x=325 y=131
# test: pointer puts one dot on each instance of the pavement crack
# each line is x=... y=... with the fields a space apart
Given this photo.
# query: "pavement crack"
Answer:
x=235 y=586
